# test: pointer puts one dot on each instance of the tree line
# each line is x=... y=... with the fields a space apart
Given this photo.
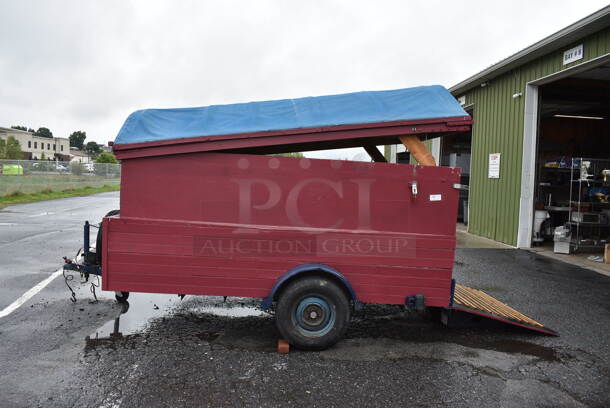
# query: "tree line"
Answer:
x=10 y=149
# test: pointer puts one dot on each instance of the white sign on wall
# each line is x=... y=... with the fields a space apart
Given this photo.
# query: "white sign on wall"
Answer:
x=573 y=54
x=494 y=166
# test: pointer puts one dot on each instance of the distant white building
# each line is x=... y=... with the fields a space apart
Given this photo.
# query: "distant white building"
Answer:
x=79 y=156
x=34 y=146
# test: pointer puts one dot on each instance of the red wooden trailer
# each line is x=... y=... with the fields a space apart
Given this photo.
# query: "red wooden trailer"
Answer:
x=208 y=208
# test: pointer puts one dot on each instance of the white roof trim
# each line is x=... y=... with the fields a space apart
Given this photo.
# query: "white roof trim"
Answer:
x=588 y=25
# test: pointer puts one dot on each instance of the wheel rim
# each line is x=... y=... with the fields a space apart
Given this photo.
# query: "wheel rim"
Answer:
x=314 y=316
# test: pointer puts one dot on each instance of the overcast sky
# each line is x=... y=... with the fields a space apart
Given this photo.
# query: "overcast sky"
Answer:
x=84 y=65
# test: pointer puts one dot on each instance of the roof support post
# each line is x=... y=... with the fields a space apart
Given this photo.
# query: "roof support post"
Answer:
x=419 y=151
x=375 y=154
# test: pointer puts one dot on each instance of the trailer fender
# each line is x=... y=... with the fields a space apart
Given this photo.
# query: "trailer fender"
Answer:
x=307 y=269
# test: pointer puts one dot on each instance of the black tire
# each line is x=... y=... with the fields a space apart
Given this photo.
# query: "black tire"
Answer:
x=98 y=241
x=312 y=313
x=121 y=297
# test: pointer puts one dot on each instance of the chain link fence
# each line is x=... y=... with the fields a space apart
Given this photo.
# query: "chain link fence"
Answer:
x=32 y=176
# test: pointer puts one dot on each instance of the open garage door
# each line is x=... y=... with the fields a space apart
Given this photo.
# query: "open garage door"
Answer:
x=572 y=186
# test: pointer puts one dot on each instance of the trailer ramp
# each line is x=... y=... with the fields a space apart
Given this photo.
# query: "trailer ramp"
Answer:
x=477 y=302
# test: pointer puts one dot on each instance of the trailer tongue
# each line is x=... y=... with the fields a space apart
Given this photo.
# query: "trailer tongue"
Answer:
x=206 y=211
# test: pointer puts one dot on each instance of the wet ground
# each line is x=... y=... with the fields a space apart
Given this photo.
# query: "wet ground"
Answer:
x=203 y=351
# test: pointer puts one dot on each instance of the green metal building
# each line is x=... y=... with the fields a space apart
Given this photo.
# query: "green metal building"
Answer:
x=544 y=89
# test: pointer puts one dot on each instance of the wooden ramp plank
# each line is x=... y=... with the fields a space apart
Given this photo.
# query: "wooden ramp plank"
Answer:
x=479 y=300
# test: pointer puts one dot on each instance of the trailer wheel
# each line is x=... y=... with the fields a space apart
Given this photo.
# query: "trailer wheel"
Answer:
x=312 y=313
x=98 y=241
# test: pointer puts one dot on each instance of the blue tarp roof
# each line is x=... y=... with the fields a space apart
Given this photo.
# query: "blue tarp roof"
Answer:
x=424 y=102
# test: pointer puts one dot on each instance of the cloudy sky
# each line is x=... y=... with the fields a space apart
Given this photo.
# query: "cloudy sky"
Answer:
x=85 y=65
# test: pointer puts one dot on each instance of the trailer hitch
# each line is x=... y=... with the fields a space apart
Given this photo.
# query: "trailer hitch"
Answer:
x=83 y=268
x=87 y=268
x=85 y=272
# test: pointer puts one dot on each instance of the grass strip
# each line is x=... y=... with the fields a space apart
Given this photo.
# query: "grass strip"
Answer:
x=17 y=197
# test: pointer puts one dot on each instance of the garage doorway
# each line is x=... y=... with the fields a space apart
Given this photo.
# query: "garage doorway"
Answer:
x=566 y=166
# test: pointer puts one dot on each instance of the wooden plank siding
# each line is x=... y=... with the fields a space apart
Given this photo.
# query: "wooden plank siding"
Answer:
x=232 y=224
x=170 y=257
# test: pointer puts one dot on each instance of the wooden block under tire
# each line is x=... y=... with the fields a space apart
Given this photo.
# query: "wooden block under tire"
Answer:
x=282 y=346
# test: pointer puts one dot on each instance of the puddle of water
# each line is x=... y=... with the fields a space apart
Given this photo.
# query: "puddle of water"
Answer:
x=230 y=311
x=513 y=347
x=134 y=316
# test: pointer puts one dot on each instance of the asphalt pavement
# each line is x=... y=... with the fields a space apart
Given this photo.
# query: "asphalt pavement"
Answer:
x=202 y=351
x=34 y=237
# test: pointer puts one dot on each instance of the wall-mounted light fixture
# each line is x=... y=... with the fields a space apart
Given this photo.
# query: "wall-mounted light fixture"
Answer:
x=517 y=95
x=484 y=84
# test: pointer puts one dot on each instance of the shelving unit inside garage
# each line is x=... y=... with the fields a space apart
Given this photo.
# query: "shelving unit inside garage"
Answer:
x=573 y=206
